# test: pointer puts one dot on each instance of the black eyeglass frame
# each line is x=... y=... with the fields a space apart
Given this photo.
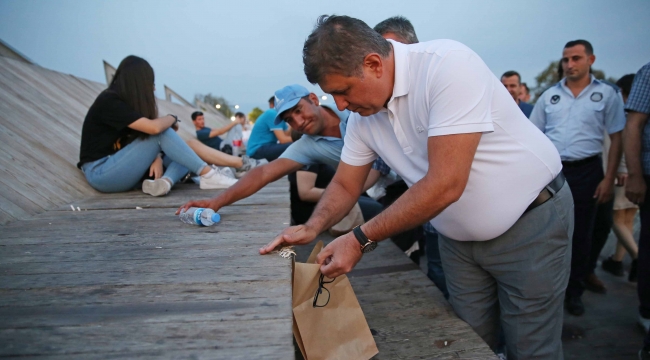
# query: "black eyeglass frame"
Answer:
x=319 y=291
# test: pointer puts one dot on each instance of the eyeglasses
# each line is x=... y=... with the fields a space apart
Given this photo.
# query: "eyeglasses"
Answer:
x=320 y=300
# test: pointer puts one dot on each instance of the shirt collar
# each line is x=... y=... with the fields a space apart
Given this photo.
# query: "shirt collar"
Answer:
x=562 y=84
x=402 y=79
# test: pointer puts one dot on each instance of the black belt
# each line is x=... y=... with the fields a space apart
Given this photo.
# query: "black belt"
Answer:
x=581 y=162
x=544 y=195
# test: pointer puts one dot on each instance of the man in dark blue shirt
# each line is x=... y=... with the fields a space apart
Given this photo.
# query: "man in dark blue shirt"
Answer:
x=512 y=81
x=210 y=137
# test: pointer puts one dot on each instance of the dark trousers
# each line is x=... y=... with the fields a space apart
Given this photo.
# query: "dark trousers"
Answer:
x=269 y=152
x=643 y=270
x=602 y=228
x=434 y=263
x=583 y=181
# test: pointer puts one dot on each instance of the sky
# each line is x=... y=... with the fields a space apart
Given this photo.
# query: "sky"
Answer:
x=245 y=50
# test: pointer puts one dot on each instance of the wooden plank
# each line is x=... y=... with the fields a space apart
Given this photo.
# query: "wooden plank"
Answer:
x=143 y=336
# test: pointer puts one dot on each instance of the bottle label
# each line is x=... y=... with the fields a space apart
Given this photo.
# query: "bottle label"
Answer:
x=197 y=216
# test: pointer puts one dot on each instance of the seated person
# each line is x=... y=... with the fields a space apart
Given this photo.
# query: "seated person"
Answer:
x=268 y=140
x=211 y=137
x=123 y=138
x=307 y=186
x=323 y=127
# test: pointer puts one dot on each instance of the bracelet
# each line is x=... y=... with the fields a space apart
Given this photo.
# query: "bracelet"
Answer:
x=175 y=117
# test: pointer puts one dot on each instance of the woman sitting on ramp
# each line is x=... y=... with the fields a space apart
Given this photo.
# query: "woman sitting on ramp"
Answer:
x=123 y=138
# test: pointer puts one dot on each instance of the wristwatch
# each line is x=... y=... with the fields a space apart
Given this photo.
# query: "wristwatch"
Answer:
x=367 y=245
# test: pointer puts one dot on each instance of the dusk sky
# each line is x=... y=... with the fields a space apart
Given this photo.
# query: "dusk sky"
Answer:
x=245 y=50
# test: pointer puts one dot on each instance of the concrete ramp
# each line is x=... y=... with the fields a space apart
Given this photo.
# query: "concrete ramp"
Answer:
x=41 y=115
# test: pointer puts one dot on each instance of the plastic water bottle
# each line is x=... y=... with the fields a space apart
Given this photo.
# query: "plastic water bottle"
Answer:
x=200 y=216
x=236 y=147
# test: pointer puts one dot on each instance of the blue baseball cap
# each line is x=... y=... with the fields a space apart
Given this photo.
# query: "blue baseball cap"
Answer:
x=288 y=97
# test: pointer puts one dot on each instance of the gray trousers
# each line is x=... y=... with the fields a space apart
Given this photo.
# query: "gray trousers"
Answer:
x=516 y=280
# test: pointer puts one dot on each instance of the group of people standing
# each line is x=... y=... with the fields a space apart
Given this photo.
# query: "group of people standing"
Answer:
x=512 y=202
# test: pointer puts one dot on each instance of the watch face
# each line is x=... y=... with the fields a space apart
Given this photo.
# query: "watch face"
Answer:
x=370 y=246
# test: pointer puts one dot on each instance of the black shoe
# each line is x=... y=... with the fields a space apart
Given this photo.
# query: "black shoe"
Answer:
x=632 y=277
x=574 y=305
x=594 y=284
x=227 y=149
x=614 y=267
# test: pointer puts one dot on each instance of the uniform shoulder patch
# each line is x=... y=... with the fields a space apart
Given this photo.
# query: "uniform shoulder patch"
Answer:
x=596 y=96
x=555 y=99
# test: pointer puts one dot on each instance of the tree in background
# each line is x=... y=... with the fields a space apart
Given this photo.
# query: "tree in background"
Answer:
x=224 y=107
x=254 y=114
x=551 y=75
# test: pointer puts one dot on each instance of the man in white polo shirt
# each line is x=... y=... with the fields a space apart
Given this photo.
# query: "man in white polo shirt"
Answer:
x=489 y=180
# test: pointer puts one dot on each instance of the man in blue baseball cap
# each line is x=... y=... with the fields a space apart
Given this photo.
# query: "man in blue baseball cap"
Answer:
x=323 y=127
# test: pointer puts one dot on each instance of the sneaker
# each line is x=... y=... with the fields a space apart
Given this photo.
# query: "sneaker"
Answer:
x=594 y=284
x=215 y=180
x=227 y=171
x=574 y=305
x=632 y=277
x=614 y=267
x=644 y=323
x=249 y=163
x=158 y=187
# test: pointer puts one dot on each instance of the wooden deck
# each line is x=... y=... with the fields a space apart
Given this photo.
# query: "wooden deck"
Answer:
x=113 y=281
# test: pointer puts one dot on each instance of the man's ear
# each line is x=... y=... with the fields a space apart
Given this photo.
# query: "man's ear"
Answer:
x=314 y=98
x=374 y=63
x=592 y=59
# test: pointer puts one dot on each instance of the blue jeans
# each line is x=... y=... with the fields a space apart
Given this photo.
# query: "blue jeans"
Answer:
x=269 y=152
x=434 y=263
x=123 y=170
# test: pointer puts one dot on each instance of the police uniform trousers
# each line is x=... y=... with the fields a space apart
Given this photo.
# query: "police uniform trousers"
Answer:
x=583 y=177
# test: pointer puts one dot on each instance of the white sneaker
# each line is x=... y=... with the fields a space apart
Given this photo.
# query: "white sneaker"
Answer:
x=644 y=323
x=224 y=171
x=216 y=180
x=158 y=187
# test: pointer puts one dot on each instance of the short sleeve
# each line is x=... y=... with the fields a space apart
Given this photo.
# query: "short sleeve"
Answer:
x=460 y=95
x=300 y=152
x=203 y=134
x=538 y=115
x=639 y=99
x=615 y=115
x=116 y=113
x=355 y=151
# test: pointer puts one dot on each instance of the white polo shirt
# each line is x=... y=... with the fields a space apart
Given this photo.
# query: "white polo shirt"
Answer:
x=442 y=87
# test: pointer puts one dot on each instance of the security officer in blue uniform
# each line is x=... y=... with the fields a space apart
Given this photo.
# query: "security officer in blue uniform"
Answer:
x=574 y=114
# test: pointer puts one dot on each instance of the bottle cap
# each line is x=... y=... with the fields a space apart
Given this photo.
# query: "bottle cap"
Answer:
x=216 y=217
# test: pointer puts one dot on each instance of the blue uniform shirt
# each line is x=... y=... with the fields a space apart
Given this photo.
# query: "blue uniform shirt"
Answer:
x=316 y=149
x=262 y=132
x=576 y=125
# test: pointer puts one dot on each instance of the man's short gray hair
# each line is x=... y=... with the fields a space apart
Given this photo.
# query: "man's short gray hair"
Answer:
x=338 y=45
x=400 y=26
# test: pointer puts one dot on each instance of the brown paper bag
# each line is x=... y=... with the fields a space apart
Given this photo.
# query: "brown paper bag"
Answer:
x=336 y=331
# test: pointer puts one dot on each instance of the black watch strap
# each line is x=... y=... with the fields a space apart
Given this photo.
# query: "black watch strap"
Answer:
x=361 y=237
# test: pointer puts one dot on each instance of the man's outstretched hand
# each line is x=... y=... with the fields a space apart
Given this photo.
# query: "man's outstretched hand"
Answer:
x=293 y=235
x=209 y=203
